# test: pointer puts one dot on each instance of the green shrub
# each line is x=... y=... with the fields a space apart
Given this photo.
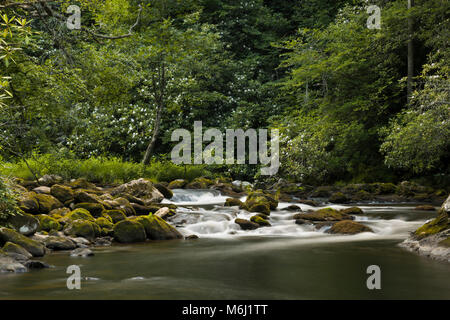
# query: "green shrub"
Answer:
x=8 y=204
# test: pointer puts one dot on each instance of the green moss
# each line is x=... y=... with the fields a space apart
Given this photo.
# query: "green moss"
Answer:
x=104 y=223
x=338 y=197
x=32 y=246
x=82 y=228
x=129 y=231
x=199 y=183
x=48 y=223
x=62 y=193
x=158 y=229
x=325 y=214
x=435 y=226
x=79 y=214
x=260 y=197
x=260 y=207
x=47 y=203
x=259 y=220
x=177 y=184
x=95 y=209
x=231 y=202
x=115 y=215
x=349 y=227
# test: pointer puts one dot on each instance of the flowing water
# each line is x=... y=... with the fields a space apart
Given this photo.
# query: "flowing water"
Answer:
x=285 y=261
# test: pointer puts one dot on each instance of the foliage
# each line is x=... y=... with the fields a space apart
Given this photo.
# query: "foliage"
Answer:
x=8 y=204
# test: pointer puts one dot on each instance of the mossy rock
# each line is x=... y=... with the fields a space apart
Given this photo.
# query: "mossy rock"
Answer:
x=260 y=197
x=82 y=228
x=199 y=183
x=79 y=214
x=165 y=191
x=362 y=195
x=435 y=226
x=325 y=214
x=260 y=207
x=125 y=206
x=246 y=225
x=352 y=211
x=232 y=202
x=62 y=193
x=82 y=196
x=177 y=184
x=32 y=246
x=103 y=222
x=47 y=203
x=95 y=209
x=158 y=229
x=82 y=183
x=131 y=199
x=59 y=243
x=24 y=223
x=14 y=248
x=48 y=223
x=349 y=227
x=128 y=231
x=338 y=197
x=59 y=213
x=385 y=188
x=116 y=215
x=259 y=220
x=28 y=203
x=322 y=192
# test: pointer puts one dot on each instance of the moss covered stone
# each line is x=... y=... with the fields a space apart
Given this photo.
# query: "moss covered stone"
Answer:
x=177 y=184
x=158 y=229
x=128 y=231
x=81 y=228
x=246 y=225
x=199 y=183
x=28 y=203
x=116 y=215
x=259 y=220
x=32 y=246
x=62 y=193
x=261 y=197
x=82 y=183
x=325 y=214
x=103 y=222
x=79 y=214
x=48 y=223
x=231 y=202
x=338 y=197
x=24 y=223
x=435 y=226
x=349 y=227
x=47 y=203
x=95 y=209
x=14 y=248
x=260 y=207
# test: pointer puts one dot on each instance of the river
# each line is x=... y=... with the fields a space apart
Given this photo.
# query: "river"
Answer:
x=285 y=261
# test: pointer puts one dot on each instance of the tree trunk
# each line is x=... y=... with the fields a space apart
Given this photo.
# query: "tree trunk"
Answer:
x=151 y=145
x=410 y=54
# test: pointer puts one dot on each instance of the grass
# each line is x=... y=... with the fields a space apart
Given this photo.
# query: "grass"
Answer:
x=100 y=169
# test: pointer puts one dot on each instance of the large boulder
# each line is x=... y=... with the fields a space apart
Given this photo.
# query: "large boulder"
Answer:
x=82 y=228
x=326 y=214
x=47 y=203
x=338 y=197
x=49 y=179
x=260 y=220
x=246 y=225
x=95 y=209
x=140 y=188
x=116 y=215
x=48 y=223
x=260 y=197
x=13 y=248
x=165 y=213
x=28 y=202
x=59 y=243
x=24 y=223
x=32 y=246
x=78 y=214
x=232 y=202
x=349 y=227
x=199 y=183
x=128 y=231
x=158 y=229
x=8 y=264
x=62 y=193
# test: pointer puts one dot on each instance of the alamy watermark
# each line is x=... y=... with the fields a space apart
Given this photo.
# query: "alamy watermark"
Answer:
x=214 y=152
x=374 y=280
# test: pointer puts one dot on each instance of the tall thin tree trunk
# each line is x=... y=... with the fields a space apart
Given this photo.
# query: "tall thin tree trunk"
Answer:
x=410 y=53
x=151 y=145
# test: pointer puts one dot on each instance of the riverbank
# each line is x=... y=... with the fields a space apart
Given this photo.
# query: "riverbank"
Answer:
x=76 y=216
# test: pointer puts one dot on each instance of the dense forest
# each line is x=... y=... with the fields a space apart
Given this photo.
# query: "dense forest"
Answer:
x=352 y=103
